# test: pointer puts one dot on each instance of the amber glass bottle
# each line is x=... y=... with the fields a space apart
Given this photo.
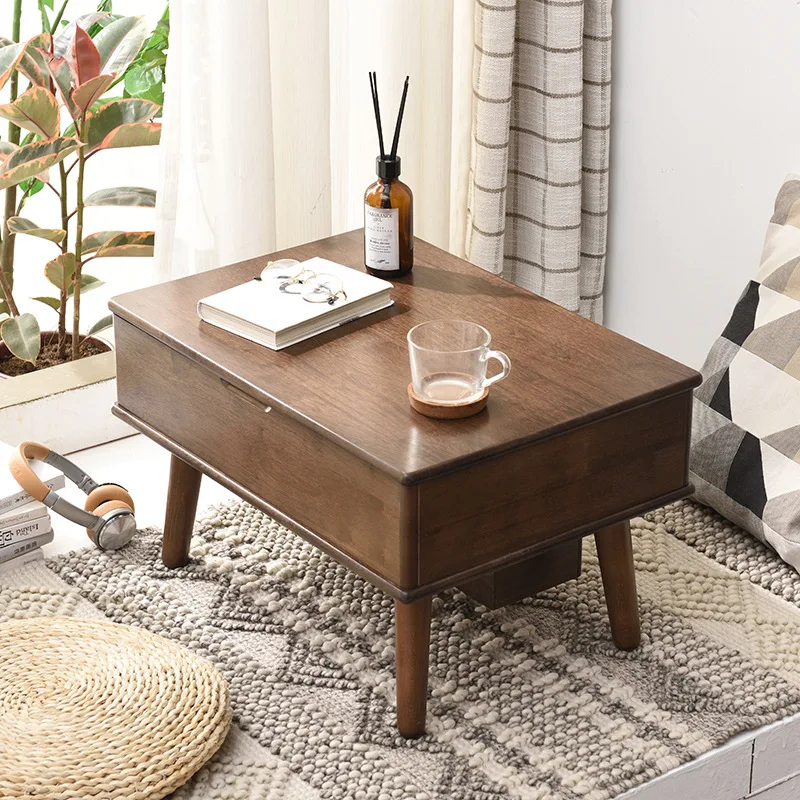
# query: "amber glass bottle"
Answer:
x=388 y=223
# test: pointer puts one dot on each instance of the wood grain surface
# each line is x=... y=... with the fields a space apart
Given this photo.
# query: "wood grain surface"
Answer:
x=350 y=385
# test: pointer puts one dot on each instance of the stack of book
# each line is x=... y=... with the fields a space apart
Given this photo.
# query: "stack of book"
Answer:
x=25 y=525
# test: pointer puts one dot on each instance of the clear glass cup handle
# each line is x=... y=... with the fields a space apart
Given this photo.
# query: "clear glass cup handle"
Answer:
x=505 y=362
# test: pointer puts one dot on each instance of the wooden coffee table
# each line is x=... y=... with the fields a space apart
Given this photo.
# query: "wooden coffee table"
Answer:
x=589 y=430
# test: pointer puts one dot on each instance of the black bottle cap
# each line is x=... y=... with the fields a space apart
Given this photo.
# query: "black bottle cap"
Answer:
x=387 y=168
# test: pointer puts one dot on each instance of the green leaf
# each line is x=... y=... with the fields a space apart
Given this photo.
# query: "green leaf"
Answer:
x=85 y=56
x=35 y=110
x=146 y=81
x=88 y=282
x=53 y=302
x=111 y=115
x=120 y=42
x=91 y=91
x=96 y=240
x=60 y=270
x=22 y=225
x=4 y=307
x=22 y=336
x=122 y=196
x=134 y=134
x=101 y=325
x=36 y=187
x=138 y=244
x=62 y=44
x=34 y=158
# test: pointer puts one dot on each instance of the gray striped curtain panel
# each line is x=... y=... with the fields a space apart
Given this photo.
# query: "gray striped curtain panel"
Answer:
x=538 y=194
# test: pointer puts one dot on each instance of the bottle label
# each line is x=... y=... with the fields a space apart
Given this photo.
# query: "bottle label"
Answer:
x=381 y=235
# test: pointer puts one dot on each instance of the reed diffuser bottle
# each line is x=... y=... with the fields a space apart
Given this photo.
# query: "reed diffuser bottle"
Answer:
x=388 y=206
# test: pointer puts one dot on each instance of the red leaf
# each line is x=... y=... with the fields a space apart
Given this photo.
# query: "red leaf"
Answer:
x=85 y=56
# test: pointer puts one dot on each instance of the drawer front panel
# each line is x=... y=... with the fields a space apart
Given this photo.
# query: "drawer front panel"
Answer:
x=308 y=478
x=506 y=504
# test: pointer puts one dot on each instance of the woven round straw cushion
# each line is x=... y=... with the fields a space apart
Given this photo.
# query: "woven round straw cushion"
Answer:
x=93 y=709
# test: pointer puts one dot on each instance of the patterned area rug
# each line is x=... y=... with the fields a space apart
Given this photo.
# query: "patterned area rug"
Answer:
x=531 y=701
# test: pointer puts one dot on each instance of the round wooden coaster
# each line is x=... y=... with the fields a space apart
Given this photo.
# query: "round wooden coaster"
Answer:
x=447 y=410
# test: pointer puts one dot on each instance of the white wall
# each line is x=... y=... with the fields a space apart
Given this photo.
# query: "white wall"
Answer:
x=706 y=123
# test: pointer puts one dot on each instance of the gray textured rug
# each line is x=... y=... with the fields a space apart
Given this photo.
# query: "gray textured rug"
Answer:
x=531 y=701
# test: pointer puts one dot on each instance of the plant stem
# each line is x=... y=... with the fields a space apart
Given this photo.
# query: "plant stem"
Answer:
x=62 y=308
x=76 y=278
x=43 y=12
x=57 y=20
x=7 y=254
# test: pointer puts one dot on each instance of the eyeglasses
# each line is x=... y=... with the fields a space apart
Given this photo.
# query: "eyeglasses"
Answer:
x=291 y=278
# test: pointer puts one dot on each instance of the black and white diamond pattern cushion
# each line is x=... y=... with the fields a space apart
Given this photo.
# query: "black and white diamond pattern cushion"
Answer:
x=745 y=459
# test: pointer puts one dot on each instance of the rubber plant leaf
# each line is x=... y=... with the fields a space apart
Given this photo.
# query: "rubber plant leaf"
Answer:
x=123 y=196
x=62 y=44
x=64 y=78
x=53 y=302
x=96 y=240
x=4 y=308
x=120 y=42
x=133 y=134
x=85 y=56
x=26 y=226
x=34 y=158
x=32 y=64
x=60 y=270
x=6 y=149
x=12 y=54
x=88 y=282
x=138 y=244
x=22 y=336
x=111 y=115
x=35 y=110
x=101 y=325
x=91 y=91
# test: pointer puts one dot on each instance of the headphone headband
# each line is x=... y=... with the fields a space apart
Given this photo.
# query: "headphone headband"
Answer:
x=25 y=476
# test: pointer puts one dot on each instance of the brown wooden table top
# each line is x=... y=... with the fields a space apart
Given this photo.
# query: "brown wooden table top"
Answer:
x=350 y=384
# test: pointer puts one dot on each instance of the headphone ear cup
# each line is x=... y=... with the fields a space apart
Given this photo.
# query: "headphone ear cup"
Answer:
x=108 y=491
x=104 y=508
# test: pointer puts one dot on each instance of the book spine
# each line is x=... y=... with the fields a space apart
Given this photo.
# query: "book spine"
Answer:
x=12 y=519
x=20 y=498
x=27 y=530
x=20 y=548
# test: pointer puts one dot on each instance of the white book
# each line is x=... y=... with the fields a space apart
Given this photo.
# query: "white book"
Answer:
x=26 y=530
x=12 y=495
x=20 y=548
x=31 y=557
x=258 y=310
x=21 y=514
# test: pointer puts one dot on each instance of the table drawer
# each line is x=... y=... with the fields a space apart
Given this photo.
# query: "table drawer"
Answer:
x=505 y=505
x=308 y=478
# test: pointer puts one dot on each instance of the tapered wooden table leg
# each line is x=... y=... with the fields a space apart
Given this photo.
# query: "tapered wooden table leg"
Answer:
x=615 y=553
x=412 y=645
x=184 y=487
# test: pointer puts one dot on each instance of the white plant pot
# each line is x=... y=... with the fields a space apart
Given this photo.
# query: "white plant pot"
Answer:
x=67 y=406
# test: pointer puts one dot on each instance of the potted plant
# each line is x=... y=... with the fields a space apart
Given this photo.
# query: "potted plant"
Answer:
x=68 y=124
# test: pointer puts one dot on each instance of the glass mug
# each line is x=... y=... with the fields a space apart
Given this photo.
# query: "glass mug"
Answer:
x=449 y=359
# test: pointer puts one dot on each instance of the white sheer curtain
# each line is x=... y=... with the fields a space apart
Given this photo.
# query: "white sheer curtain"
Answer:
x=269 y=138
